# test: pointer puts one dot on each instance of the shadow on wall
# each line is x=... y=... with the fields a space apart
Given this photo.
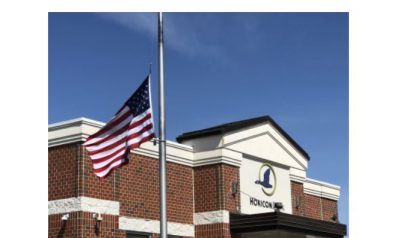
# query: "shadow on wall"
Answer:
x=62 y=230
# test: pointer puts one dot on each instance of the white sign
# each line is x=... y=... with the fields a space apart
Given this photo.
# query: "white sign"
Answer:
x=263 y=184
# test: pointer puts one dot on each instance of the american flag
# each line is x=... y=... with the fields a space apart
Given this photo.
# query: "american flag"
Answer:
x=131 y=126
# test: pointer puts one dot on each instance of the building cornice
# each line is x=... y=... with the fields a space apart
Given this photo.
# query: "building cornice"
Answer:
x=219 y=155
x=72 y=131
x=296 y=178
x=175 y=154
x=74 y=122
x=321 y=189
x=325 y=184
x=77 y=130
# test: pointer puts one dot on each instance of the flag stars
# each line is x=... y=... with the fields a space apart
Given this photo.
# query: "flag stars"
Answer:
x=139 y=101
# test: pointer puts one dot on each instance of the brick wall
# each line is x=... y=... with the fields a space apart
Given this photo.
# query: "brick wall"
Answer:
x=312 y=206
x=213 y=188
x=206 y=193
x=231 y=202
x=221 y=230
x=213 y=191
x=330 y=208
x=135 y=186
x=82 y=224
x=140 y=191
x=92 y=186
x=62 y=171
x=297 y=198
x=58 y=228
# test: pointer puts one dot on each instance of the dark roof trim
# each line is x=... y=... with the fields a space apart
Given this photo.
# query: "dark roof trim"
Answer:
x=277 y=220
x=228 y=127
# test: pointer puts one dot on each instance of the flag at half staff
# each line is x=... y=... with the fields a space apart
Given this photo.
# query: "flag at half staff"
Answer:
x=128 y=129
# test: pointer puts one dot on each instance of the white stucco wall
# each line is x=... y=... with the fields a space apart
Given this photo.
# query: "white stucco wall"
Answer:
x=266 y=142
x=249 y=173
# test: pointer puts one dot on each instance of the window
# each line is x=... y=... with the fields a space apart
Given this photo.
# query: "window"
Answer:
x=137 y=235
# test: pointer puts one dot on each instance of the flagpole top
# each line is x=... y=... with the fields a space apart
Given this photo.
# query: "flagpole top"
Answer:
x=150 y=68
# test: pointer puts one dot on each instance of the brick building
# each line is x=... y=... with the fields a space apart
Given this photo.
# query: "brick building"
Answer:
x=242 y=179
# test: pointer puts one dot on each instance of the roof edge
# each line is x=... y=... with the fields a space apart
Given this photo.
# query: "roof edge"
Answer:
x=227 y=127
x=79 y=120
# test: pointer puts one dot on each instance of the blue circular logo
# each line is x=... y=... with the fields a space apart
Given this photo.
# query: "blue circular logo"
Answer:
x=269 y=182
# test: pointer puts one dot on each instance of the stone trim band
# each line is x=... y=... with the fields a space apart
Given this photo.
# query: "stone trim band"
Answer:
x=153 y=226
x=83 y=204
x=213 y=217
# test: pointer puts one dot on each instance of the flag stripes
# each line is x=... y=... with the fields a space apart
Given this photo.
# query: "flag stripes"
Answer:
x=128 y=129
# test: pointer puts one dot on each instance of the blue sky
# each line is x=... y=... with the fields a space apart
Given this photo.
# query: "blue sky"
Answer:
x=219 y=67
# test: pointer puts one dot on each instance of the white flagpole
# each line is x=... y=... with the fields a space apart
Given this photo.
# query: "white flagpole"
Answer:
x=162 y=147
